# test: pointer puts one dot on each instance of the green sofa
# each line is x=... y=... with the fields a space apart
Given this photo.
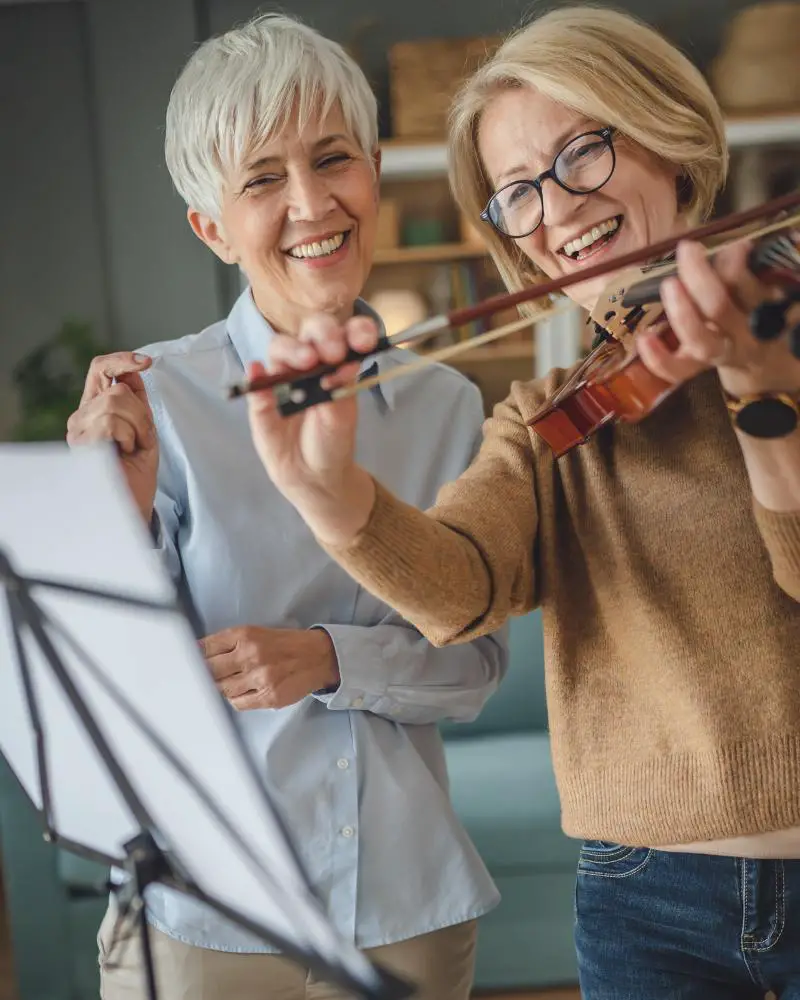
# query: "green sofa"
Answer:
x=503 y=789
x=53 y=906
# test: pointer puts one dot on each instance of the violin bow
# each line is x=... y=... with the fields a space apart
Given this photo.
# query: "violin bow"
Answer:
x=296 y=390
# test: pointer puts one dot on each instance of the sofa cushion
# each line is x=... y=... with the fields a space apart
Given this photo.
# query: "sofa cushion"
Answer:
x=504 y=792
x=79 y=873
x=519 y=703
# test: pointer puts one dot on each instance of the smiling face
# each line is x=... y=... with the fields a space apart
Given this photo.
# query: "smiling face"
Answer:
x=520 y=133
x=299 y=218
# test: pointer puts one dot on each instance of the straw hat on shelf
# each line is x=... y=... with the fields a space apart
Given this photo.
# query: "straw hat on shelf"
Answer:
x=758 y=68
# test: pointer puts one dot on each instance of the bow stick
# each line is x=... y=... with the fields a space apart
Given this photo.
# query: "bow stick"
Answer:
x=296 y=390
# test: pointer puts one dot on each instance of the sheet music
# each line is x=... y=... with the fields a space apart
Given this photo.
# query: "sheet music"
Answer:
x=67 y=515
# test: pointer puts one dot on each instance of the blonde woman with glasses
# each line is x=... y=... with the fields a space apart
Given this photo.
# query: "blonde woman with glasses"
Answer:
x=665 y=556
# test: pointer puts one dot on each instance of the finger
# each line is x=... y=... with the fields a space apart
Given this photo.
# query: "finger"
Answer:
x=327 y=335
x=234 y=686
x=665 y=364
x=746 y=290
x=224 y=665
x=697 y=337
x=104 y=369
x=133 y=406
x=362 y=334
x=134 y=382
x=96 y=419
x=705 y=287
x=343 y=375
x=287 y=353
x=262 y=409
x=106 y=427
x=219 y=642
x=252 y=701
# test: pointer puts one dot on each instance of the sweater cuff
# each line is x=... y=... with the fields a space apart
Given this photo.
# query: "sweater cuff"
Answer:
x=379 y=547
x=781 y=533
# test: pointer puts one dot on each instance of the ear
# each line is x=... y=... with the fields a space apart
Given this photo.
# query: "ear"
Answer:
x=376 y=160
x=213 y=235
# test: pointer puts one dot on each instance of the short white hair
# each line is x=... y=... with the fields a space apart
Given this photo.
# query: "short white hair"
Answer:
x=239 y=89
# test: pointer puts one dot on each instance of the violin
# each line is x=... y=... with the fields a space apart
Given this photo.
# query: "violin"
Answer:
x=612 y=383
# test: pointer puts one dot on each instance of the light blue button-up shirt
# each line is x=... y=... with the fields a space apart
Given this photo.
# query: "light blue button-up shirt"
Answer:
x=360 y=774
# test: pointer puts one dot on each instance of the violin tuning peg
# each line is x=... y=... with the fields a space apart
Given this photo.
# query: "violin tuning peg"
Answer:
x=768 y=319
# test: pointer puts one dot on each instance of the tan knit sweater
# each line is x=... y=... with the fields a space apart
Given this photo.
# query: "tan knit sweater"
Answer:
x=671 y=609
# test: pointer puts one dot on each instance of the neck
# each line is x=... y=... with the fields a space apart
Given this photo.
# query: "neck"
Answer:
x=288 y=317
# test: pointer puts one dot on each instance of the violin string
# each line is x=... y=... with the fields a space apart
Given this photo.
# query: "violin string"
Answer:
x=781 y=251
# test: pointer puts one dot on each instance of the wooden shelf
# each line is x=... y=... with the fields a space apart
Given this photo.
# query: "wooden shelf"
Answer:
x=406 y=159
x=489 y=353
x=430 y=253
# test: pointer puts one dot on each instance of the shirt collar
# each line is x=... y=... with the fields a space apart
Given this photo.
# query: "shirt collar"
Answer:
x=251 y=334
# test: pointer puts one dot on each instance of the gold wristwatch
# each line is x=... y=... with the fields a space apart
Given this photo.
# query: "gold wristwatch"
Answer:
x=765 y=414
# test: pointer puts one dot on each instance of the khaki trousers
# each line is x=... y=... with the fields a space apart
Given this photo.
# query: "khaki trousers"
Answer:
x=440 y=963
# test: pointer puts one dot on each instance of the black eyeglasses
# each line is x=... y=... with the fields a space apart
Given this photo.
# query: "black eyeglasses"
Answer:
x=584 y=165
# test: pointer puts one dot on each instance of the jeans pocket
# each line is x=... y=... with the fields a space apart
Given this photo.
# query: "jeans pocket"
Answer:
x=606 y=860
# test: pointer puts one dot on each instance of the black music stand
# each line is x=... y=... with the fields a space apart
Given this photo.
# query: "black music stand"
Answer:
x=113 y=727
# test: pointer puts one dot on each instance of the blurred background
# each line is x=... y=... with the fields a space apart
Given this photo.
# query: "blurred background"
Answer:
x=96 y=255
x=96 y=252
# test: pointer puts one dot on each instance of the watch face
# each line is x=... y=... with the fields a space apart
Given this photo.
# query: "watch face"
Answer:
x=767 y=418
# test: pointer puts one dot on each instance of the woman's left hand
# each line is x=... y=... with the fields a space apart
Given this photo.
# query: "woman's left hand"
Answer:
x=708 y=307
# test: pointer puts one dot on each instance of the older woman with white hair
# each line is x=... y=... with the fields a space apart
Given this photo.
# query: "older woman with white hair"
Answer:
x=272 y=141
x=665 y=555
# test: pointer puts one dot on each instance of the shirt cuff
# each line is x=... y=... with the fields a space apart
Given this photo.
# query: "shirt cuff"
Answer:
x=362 y=685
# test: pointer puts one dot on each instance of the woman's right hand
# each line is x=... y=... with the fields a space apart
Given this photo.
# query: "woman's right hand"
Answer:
x=310 y=456
x=114 y=407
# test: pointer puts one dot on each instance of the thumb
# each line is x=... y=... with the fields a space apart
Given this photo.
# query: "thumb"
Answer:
x=262 y=408
x=105 y=369
x=135 y=383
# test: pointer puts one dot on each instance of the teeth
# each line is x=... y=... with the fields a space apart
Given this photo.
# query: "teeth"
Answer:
x=590 y=236
x=321 y=249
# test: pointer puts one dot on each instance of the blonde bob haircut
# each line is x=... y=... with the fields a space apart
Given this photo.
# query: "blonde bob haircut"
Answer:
x=241 y=88
x=613 y=69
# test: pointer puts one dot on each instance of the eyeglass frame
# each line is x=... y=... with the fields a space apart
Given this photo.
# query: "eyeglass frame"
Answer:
x=606 y=134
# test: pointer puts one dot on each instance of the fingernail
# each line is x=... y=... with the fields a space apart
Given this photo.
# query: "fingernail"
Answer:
x=141 y=358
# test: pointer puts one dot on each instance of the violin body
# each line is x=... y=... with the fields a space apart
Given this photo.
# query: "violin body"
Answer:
x=613 y=382
x=609 y=388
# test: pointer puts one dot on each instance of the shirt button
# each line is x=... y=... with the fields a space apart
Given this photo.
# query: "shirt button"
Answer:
x=343 y=764
x=358 y=702
x=347 y=831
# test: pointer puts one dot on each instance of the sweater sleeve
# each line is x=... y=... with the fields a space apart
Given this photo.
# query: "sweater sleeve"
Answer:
x=465 y=566
x=781 y=534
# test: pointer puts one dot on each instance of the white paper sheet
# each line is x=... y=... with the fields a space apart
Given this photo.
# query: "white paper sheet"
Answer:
x=67 y=515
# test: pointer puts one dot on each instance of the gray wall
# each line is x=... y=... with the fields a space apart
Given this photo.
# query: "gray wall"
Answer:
x=51 y=261
x=91 y=226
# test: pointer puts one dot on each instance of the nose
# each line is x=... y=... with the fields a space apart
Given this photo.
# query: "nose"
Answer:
x=309 y=197
x=559 y=205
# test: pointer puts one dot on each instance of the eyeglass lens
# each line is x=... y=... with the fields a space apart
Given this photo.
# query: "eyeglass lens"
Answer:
x=582 y=166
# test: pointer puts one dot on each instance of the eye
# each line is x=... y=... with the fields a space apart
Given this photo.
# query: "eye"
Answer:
x=264 y=181
x=519 y=194
x=334 y=160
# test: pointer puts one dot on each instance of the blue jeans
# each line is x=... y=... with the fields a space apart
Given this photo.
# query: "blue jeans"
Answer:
x=657 y=925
